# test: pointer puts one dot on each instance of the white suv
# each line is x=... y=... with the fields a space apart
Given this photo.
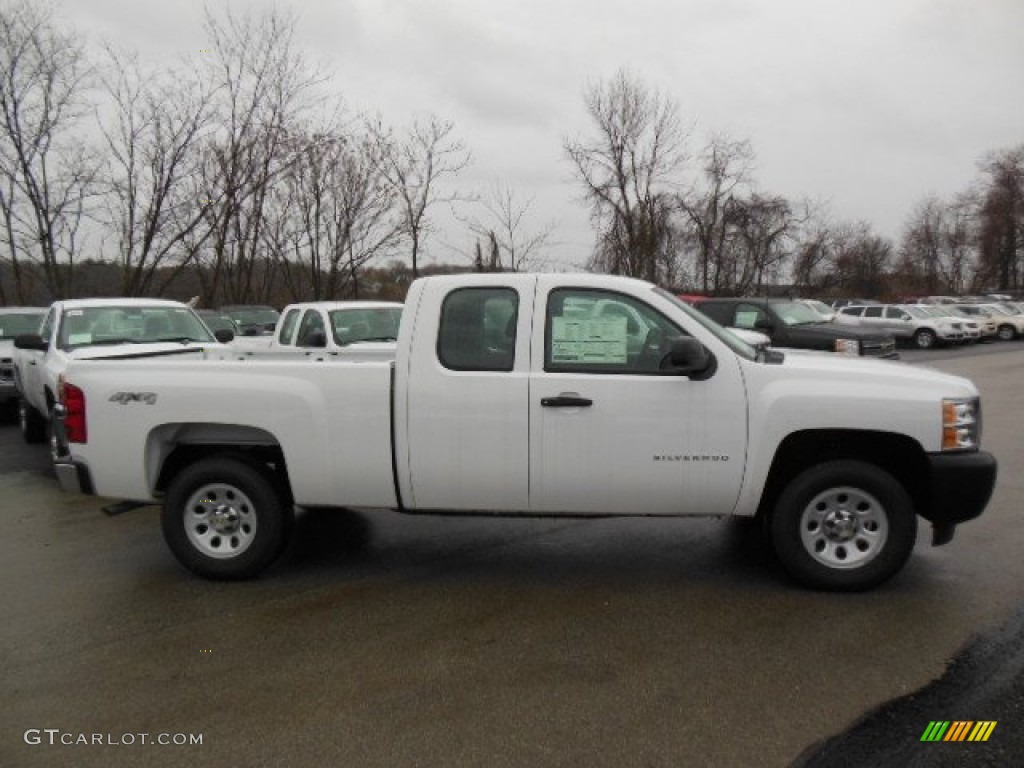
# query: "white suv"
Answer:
x=1006 y=325
x=910 y=322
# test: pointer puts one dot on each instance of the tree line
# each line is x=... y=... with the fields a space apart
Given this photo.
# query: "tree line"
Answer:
x=699 y=220
x=238 y=176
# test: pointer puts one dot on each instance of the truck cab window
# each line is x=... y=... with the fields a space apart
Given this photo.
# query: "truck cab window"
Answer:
x=478 y=329
x=313 y=331
x=288 y=326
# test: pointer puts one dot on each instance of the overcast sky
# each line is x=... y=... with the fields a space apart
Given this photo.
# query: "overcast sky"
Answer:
x=867 y=104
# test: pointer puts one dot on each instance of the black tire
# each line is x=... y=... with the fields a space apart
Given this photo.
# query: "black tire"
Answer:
x=1006 y=333
x=924 y=338
x=33 y=425
x=843 y=526
x=224 y=518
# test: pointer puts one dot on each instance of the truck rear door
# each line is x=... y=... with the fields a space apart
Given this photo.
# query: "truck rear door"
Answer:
x=464 y=421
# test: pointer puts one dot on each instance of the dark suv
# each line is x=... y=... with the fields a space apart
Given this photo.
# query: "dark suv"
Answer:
x=792 y=324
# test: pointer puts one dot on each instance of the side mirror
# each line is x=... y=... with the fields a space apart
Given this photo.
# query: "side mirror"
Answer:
x=224 y=335
x=688 y=357
x=31 y=341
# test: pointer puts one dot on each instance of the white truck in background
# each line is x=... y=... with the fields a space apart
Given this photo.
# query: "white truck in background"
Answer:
x=14 y=322
x=363 y=330
x=97 y=329
x=508 y=396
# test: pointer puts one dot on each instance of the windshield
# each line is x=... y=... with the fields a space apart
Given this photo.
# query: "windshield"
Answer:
x=792 y=313
x=350 y=326
x=93 y=326
x=16 y=323
x=734 y=342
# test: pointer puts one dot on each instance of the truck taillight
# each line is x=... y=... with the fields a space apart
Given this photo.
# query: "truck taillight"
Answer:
x=73 y=400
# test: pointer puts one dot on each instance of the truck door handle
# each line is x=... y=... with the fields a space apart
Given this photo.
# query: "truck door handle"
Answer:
x=566 y=401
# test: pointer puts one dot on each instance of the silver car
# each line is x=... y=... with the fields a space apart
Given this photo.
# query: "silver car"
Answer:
x=909 y=322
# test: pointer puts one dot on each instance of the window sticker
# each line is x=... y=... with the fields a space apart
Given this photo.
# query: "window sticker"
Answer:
x=74 y=339
x=746 y=318
x=578 y=340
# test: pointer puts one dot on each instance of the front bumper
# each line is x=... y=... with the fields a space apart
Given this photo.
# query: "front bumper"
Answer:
x=960 y=486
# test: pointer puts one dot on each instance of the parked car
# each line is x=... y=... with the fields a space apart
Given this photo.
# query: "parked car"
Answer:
x=218 y=321
x=252 y=319
x=792 y=324
x=14 y=321
x=353 y=329
x=968 y=324
x=97 y=329
x=999 y=321
x=906 y=322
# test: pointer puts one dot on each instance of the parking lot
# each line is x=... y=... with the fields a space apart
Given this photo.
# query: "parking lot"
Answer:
x=389 y=640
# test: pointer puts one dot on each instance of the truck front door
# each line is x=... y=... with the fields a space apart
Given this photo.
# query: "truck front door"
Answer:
x=609 y=431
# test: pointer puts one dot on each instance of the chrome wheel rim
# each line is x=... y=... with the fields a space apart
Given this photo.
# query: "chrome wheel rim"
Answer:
x=220 y=520
x=925 y=340
x=844 y=528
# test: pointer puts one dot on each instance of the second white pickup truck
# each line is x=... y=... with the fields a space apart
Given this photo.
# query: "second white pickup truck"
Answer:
x=508 y=395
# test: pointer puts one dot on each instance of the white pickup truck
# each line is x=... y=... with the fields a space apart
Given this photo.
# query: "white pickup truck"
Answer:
x=98 y=329
x=508 y=396
x=363 y=330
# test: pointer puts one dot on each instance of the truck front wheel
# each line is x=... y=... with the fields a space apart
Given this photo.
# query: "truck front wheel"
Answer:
x=223 y=518
x=844 y=526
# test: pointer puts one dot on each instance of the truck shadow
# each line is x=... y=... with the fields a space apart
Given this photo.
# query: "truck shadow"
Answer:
x=615 y=551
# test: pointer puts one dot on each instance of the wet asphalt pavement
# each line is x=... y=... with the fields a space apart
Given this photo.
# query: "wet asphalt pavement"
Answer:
x=385 y=640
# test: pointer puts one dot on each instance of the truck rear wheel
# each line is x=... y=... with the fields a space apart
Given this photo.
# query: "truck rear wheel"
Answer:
x=844 y=526
x=223 y=518
x=32 y=423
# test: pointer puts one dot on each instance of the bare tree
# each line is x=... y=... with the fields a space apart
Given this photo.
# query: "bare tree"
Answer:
x=713 y=207
x=814 y=251
x=861 y=260
x=504 y=225
x=150 y=179
x=46 y=171
x=336 y=211
x=1001 y=218
x=627 y=169
x=414 y=165
x=763 y=226
x=264 y=87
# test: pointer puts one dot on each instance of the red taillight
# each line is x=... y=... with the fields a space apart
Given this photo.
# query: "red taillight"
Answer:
x=73 y=400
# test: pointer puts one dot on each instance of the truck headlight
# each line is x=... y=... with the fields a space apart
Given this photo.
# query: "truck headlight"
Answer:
x=848 y=346
x=961 y=424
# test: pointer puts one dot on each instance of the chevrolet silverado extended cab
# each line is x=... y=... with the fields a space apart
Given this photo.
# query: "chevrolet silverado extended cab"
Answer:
x=508 y=395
